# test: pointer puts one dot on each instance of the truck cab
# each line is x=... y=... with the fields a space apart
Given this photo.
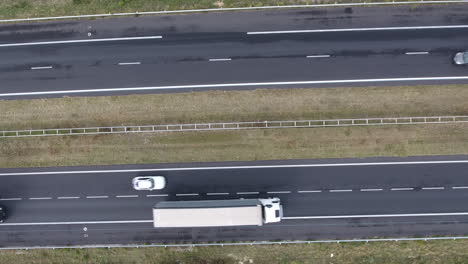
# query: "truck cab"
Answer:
x=272 y=210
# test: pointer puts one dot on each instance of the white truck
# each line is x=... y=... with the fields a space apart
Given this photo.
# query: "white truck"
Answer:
x=212 y=213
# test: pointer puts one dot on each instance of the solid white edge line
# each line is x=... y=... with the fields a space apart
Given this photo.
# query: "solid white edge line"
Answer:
x=97 y=197
x=246 y=167
x=402 y=189
x=318 y=56
x=222 y=85
x=68 y=197
x=126 y=196
x=40 y=198
x=352 y=29
x=41 y=68
x=129 y=63
x=371 y=190
x=78 y=223
x=222 y=59
x=373 y=216
x=77 y=41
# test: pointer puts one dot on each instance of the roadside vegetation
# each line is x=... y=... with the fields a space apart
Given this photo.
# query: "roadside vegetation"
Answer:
x=244 y=145
x=417 y=252
x=46 y=8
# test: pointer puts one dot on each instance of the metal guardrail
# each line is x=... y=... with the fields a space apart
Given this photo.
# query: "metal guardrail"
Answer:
x=246 y=243
x=166 y=12
x=235 y=126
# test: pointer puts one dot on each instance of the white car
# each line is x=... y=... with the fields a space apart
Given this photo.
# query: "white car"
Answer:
x=149 y=183
x=461 y=58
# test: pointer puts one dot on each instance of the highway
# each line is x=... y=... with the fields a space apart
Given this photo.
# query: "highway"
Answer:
x=349 y=198
x=241 y=50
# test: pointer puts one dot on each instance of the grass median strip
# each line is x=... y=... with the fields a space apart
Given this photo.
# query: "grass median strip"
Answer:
x=295 y=143
x=233 y=106
x=416 y=252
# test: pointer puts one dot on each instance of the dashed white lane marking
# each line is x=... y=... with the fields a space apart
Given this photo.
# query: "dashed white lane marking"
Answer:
x=77 y=41
x=68 y=197
x=221 y=59
x=318 y=56
x=459 y=187
x=11 y=199
x=310 y=191
x=402 y=189
x=433 y=188
x=417 y=53
x=129 y=63
x=248 y=192
x=186 y=194
x=278 y=192
x=371 y=190
x=126 y=196
x=41 y=68
x=156 y=195
x=40 y=198
x=217 y=194
x=353 y=29
x=342 y=190
x=97 y=197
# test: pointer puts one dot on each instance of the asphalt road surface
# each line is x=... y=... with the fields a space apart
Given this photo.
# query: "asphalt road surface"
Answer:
x=328 y=199
x=241 y=50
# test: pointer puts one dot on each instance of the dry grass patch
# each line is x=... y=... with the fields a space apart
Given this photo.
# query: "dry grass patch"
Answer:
x=225 y=106
x=245 y=145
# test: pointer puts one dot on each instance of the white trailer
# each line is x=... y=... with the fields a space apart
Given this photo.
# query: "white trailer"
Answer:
x=240 y=212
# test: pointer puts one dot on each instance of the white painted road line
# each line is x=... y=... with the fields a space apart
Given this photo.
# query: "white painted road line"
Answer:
x=224 y=85
x=11 y=199
x=40 y=198
x=353 y=29
x=311 y=191
x=222 y=59
x=186 y=194
x=79 y=223
x=417 y=53
x=97 y=197
x=371 y=190
x=68 y=197
x=77 y=41
x=278 y=192
x=41 y=68
x=433 y=188
x=318 y=56
x=374 y=216
x=242 y=167
x=129 y=63
x=459 y=187
x=217 y=194
x=126 y=196
x=402 y=189
x=156 y=195
x=346 y=190
x=248 y=193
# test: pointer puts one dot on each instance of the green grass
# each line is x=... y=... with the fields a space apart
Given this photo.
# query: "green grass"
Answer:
x=243 y=145
x=416 y=252
x=46 y=8
x=226 y=106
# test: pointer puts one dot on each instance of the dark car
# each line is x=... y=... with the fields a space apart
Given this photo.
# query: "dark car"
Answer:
x=2 y=213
